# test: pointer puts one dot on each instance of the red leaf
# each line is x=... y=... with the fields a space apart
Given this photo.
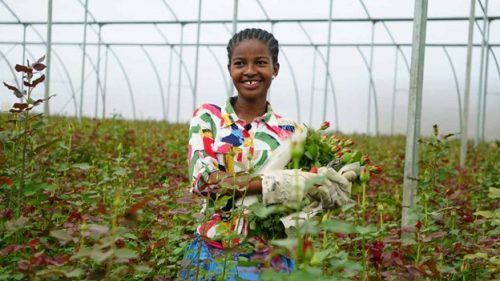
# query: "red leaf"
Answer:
x=23 y=265
x=40 y=60
x=39 y=66
x=38 y=81
x=14 y=110
x=101 y=208
x=21 y=106
x=139 y=205
x=120 y=243
x=23 y=68
x=37 y=102
x=32 y=244
x=75 y=216
x=11 y=249
x=418 y=225
x=6 y=180
x=435 y=235
x=16 y=90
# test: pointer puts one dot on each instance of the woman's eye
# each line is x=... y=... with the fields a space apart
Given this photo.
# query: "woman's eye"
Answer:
x=238 y=63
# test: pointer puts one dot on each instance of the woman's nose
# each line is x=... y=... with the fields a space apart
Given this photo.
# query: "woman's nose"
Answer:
x=249 y=69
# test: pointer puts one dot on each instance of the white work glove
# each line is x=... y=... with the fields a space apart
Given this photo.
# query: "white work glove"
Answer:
x=287 y=186
x=335 y=191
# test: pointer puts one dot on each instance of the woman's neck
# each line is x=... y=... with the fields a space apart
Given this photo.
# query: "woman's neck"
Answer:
x=249 y=110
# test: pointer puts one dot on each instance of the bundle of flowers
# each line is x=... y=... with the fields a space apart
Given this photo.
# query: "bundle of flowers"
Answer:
x=318 y=149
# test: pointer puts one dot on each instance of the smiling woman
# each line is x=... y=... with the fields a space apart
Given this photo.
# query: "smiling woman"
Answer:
x=225 y=145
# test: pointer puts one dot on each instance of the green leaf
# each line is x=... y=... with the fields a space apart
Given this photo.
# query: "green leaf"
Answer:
x=318 y=257
x=494 y=192
x=347 y=207
x=285 y=243
x=446 y=269
x=125 y=253
x=39 y=124
x=61 y=235
x=408 y=241
x=364 y=230
x=486 y=214
x=310 y=227
x=130 y=236
x=50 y=187
x=142 y=268
x=476 y=256
x=337 y=226
x=81 y=166
x=74 y=273
x=262 y=211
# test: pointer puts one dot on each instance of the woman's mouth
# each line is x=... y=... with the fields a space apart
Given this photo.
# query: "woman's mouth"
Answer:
x=251 y=84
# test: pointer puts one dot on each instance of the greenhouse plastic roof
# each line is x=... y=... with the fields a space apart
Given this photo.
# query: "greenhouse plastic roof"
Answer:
x=137 y=33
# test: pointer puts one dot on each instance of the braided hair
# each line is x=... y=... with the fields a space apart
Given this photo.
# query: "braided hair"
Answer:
x=258 y=34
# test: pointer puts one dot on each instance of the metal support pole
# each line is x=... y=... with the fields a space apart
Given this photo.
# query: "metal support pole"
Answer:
x=327 y=59
x=312 y=85
x=235 y=16
x=394 y=89
x=465 y=124
x=82 y=84
x=24 y=51
x=196 y=58
x=480 y=95
x=98 y=70
x=46 y=108
x=235 y=27
x=169 y=81
x=104 y=92
x=485 y=86
x=179 y=81
x=414 y=114
x=370 y=73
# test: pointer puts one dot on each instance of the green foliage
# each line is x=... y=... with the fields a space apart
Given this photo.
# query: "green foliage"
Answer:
x=109 y=200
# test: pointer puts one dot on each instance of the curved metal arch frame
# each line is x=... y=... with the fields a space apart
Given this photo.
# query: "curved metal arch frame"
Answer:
x=158 y=79
x=179 y=55
x=372 y=83
x=9 y=65
x=459 y=99
x=63 y=65
x=221 y=69
x=259 y=2
x=328 y=74
x=292 y=72
x=496 y=61
x=120 y=64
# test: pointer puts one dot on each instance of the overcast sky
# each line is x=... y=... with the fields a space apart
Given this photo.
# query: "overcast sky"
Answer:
x=350 y=76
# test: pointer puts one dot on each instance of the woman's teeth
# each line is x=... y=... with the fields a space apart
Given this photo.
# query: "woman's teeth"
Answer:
x=250 y=82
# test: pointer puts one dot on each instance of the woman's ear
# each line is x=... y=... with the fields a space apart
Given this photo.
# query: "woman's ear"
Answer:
x=276 y=68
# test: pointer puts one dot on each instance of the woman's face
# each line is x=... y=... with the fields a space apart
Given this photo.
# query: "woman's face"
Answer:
x=252 y=70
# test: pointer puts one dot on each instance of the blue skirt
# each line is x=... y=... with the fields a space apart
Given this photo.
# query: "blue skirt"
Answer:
x=202 y=262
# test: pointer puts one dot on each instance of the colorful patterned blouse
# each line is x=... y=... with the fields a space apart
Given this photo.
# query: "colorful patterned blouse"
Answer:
x=220 y=141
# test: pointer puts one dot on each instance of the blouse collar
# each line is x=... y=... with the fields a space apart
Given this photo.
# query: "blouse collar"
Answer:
x=229 y=116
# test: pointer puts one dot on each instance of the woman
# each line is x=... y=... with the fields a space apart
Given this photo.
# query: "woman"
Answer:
x=225 y=145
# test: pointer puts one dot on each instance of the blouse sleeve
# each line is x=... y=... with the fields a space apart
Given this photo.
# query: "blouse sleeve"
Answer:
x=201 y=158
